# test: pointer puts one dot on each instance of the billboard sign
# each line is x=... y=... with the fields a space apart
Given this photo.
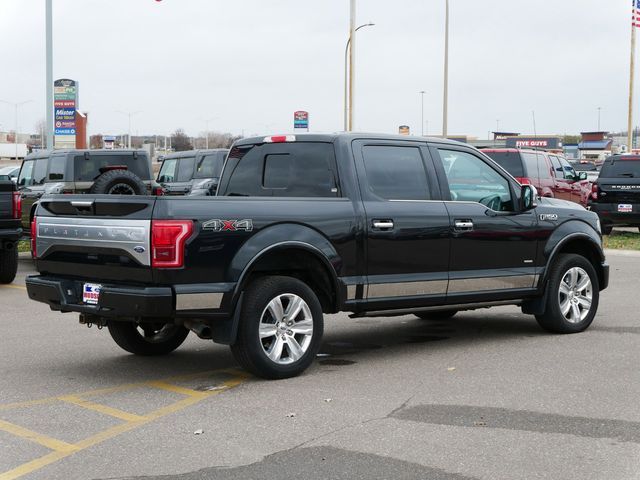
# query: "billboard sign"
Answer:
x=65 y=103
x=301 y=119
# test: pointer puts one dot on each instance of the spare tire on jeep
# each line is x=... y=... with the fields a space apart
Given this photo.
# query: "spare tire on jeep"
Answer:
x=119 y=182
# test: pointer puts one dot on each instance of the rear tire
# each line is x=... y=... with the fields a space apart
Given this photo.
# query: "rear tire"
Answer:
x=118 y=182
x=572 y=295
x=436 y=315
x=280 y=329
x=8 y=264
x=154 y=339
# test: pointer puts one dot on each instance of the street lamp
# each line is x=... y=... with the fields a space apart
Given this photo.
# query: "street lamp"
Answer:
x=15 y=106
x=445 y=93
x=129 y=114
x=49 y=72
x=599 y=108
x=422 y=92
x=346 y=70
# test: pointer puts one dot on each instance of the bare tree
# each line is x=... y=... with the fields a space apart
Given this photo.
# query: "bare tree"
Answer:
x=222 y=140
x=180 y=141
x=96 y=141
x=41 y=131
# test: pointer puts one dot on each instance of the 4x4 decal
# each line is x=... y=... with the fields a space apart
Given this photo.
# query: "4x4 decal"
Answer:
x=218 y=225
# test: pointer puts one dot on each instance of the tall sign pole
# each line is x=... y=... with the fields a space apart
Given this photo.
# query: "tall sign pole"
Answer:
x=49 y=75
x=634 y=24
x=445 y=95
x=352 y=63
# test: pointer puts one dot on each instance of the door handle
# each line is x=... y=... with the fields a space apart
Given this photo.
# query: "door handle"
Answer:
x=463 y=225
x=383 y=224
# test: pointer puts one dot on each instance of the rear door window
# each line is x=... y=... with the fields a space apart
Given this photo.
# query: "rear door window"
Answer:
x=395 y=172
x=209 y=166
x=57 y=167
x=534 y=165
x=88 y=169
x=304 y=169
x=557 y=168
x=185 y=169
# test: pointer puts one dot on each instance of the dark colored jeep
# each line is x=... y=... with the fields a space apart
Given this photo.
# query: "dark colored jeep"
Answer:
x=123 y=172
x=615 y=196
x=194 y=172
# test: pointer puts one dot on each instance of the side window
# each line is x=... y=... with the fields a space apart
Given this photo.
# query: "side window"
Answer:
x=168 y=171
x=395 y=173
x=57 y=165
x=472 y=180
x=569 y=171
x=40 y=171
x=209 y=166
x=557 y=168
x=185 y=169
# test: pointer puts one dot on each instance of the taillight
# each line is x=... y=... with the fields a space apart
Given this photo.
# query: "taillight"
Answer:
x=34 y=234
x=16 y=206
x=158 y=191
x=167 y=242
x=594 y=191
x=523 y=180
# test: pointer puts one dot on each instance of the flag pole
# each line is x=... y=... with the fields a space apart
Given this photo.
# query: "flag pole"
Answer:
x=631 y=76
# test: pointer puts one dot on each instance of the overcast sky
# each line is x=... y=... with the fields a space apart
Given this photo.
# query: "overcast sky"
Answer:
x=249 y=64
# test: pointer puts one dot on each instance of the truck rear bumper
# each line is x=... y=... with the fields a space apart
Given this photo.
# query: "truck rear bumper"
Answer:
x=66 y=295
x=609 y=214
x=191 y=301
x=9 y=236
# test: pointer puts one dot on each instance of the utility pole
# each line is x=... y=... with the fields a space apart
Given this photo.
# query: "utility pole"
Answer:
x=129 y=114
x=352 y=63
x=599 y=108
x=631 y=75
x=49 y=75
x=346 y=76
x=446 y=71
x=422 y=92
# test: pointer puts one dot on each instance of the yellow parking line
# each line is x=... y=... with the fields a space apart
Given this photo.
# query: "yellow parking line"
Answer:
x=19 y=287
x=176 y=389
x=33 y=465
x=113 y=412
x=52 y=443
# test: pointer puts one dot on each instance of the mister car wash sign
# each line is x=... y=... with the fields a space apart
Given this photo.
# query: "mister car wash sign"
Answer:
x=65 y=103
x=301 y=119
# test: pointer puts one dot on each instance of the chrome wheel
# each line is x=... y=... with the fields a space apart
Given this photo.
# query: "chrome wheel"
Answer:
x=575 y=295
x=286 y=329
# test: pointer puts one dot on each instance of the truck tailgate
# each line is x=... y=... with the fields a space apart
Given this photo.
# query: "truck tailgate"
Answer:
x=100 y=238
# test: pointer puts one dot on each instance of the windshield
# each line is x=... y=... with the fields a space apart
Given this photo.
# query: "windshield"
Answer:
x=210 y=166
x=510 y=161
x=620 y=168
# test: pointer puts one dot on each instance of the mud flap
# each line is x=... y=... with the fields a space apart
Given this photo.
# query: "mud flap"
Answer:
x=226 y=331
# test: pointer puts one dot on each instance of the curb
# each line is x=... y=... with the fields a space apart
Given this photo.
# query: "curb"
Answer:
x=621 y=253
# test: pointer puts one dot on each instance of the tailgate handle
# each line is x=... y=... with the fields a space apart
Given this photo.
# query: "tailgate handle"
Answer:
x=82 y=203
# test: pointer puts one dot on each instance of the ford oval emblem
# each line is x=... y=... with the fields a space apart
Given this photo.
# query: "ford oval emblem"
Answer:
x=139 y=249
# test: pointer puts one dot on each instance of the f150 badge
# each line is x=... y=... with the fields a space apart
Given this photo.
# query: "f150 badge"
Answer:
x=551 y=217
x=217 y=225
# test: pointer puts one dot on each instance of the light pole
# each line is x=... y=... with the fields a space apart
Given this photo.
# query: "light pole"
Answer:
x=497 y=125
x=346 y=70
x=15 y=106
x=129 y=114
x=49 y=74
x=446 y=71
x=206 y=131
x=599 y=108
x=422 y=92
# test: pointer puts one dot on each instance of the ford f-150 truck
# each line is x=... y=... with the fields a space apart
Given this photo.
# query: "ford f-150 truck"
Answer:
x=309 y=225
x=10 y=231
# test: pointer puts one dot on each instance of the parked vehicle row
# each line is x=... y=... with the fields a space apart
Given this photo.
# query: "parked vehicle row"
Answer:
x=303 y=226
x=195 y=172
x=10 y=231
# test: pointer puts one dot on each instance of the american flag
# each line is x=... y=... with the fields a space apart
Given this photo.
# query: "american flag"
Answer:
x=635 y=15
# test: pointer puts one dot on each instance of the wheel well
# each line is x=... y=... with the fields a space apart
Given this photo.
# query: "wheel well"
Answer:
x=587 y=250
x=303 y=265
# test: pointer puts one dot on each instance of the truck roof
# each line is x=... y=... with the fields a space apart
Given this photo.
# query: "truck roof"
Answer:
x=332 y=137
x=102 y=151
x=191 y=153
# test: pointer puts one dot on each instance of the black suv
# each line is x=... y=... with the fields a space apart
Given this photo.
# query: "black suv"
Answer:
x=615 y=196
x=194 y=172
x=125 y=172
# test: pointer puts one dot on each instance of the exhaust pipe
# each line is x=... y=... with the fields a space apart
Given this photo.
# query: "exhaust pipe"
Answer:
x=200 y=329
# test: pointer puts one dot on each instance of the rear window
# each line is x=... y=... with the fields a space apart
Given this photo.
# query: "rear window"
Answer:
x=302 y=169
x=210 y=166
x=620 y=168
x=88 y=169
x=33 y=172
x=510 y=161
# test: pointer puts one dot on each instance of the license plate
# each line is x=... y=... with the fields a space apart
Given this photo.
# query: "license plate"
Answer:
x=91 y=293
x=625 y=207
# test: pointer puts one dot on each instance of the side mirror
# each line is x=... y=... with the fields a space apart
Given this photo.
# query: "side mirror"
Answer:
x=528 y=195
x=582 y=176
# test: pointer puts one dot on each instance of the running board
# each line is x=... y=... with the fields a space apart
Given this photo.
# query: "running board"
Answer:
x=460 y=307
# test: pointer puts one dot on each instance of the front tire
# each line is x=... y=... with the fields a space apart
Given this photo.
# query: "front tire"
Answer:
x=280 y=329
x=147 y=339
x=8 y=264
x=572 y=295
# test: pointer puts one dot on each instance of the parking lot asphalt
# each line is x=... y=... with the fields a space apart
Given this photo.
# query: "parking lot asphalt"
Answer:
x=486 y=395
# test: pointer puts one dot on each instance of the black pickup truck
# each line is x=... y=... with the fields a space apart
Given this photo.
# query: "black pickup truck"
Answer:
x=10 y=231
x=316 y=224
